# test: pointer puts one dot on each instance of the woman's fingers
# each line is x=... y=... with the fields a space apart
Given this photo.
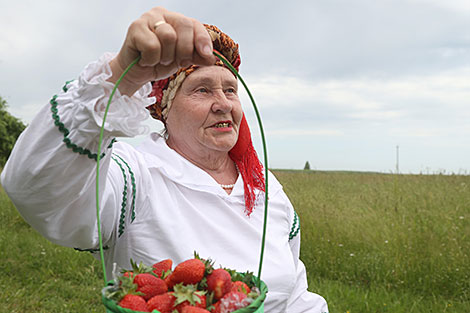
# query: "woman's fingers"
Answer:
x=165 y=41
x=144 y=39
x=203 y=42
x=167 y=37
x=177 y=38
x=149 y=47
x=185 y=44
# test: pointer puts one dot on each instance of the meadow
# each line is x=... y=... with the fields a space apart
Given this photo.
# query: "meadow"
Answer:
x=371 y=243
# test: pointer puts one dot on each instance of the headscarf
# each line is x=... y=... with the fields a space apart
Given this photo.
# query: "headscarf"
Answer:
x=243 y=153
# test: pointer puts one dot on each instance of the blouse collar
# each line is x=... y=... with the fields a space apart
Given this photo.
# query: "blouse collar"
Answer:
x=174 y=166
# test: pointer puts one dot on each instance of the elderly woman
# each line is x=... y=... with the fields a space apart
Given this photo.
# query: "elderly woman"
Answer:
x=198 y=187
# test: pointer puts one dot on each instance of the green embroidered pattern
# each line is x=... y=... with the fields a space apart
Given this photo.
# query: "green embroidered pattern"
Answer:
x=66 y=132
x=133 y=186
x=122 y=218
x=66 y=86
x=295 y=227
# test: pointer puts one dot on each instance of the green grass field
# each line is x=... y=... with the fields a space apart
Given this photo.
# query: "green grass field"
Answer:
x=371 y=243
x=385 y=243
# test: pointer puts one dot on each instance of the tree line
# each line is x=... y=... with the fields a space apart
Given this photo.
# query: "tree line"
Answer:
x=10 y=128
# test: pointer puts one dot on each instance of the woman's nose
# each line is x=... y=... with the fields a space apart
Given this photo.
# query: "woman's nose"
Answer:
x=221 y=103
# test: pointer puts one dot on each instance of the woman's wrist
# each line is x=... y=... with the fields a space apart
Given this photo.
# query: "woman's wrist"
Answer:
x=125 y=87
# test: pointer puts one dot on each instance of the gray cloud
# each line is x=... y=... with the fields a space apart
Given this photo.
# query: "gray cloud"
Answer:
x=334 y=78
x=335 y=39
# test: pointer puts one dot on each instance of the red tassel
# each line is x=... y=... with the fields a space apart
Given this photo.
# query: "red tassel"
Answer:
x=251 y=169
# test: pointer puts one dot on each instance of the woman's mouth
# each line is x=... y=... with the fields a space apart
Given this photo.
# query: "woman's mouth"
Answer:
x=222 y=125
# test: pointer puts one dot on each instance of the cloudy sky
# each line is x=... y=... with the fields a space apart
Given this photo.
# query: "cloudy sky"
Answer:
x=339 y=83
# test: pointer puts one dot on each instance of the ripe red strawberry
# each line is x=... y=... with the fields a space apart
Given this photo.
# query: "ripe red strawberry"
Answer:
x=168 y=281
x=197 y=304
x=134 y=302
x=193 y=309
x=188 y=272
x=232 y=301
x=162 y=267
x=150 y=285
x=162 y=303
x=220 y=282
x=216 y=307
x=240 y=287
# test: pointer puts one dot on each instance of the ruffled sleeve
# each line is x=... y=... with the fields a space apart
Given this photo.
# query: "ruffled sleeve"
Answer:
x=81 y=107
x=50 y=175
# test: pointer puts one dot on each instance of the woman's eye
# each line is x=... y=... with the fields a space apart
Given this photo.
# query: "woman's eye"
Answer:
x=202 y=90
x=231 y=90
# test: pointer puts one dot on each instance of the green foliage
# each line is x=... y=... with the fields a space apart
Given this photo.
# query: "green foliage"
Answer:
x=307 y=166
x=38 y=276
x=10 y=128
x=382 y=242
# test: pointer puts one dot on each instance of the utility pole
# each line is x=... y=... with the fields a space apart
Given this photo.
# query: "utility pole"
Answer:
x=398 y=159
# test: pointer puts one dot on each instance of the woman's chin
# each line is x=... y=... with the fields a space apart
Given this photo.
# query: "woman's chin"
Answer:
x=223 y=146
x=222 y=143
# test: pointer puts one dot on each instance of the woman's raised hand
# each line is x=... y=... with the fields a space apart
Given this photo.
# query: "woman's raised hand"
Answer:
x=165 y=41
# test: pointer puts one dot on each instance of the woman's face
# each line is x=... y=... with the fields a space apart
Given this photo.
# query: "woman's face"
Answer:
x=205 y=114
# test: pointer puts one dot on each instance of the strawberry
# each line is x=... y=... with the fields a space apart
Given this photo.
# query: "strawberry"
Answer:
x=216 y=307
x=193 y=309
x=150 y=285
x=134 y=302
x=128 y=274
x=188 y=295
x=163 y=303
x=201 y=303
x=220 y=282
x=241 y=287
x=168 y=282
x=232 y=301
x=162 y=267
x=188 y=272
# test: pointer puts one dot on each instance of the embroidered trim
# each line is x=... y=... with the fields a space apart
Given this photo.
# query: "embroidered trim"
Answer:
x=295 y=227
x=122 y=218
x=65 y=131
x=66 y=86
x=134 y=188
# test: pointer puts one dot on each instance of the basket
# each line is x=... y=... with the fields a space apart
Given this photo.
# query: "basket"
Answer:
x=257 y=306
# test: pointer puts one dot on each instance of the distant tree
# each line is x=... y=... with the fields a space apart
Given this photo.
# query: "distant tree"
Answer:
x=307 y=166
x=10 y=128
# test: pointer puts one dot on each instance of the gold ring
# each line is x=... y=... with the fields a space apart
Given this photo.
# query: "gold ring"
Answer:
x=158 y=24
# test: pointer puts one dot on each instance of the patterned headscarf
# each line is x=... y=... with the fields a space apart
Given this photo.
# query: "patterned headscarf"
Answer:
x=243 y=153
